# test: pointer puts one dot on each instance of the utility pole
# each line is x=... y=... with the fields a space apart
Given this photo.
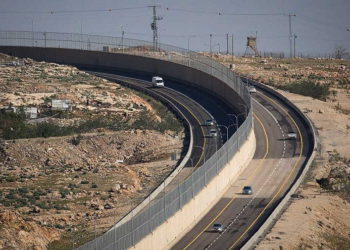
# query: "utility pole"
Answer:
x=122 y=38
x=154 y=26
x=295 y=37
x=211 y=36
x=232 y=48
x=32 y=32
x=290 y=35
x=227 y=44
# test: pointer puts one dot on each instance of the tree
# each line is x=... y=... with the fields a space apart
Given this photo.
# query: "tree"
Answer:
x=340 y=52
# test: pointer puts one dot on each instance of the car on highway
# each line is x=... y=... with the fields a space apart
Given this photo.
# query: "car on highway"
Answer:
x=218 y=227
x=213 y=133
x=252 y=89
x=209 y=122
x=157 y=81
x=247 y=190
x=291 y=135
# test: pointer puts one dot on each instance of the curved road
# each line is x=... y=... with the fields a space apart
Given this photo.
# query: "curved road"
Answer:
x=276 y=163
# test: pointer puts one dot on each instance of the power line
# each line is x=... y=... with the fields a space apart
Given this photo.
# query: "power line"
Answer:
x=70 y=11
x=224 y=13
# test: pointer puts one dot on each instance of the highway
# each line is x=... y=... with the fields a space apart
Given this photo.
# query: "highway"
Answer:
x=275 y=165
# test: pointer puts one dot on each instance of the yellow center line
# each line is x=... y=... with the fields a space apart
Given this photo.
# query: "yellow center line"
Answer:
x=285 y=181
x=232 y=199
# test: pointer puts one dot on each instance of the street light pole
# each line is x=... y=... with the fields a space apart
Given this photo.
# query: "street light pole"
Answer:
x=236 y=117
x=211 y=36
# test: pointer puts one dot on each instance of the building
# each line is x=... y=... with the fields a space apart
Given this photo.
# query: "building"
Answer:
x=61 y=105
x=31 y=112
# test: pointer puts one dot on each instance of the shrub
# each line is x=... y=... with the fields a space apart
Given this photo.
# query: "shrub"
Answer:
x=93 y=185
x=64 y=192
x=11 y=178
x=23 y=190
x=84 y=182
x=308 y=88
x=76 y=140
x=72 y=185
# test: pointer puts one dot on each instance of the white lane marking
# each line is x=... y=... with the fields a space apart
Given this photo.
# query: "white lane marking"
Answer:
x=264 y=184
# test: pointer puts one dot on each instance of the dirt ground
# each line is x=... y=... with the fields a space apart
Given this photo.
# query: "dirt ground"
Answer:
x=318 y=218
x=62 y=189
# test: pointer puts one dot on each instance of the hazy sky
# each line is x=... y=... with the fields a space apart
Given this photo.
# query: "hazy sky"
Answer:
x=319 y=24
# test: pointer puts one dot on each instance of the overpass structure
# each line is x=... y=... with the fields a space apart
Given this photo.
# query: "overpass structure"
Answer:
x=158 y=225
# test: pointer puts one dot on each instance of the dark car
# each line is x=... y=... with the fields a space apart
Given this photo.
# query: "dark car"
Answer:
x=247 y=190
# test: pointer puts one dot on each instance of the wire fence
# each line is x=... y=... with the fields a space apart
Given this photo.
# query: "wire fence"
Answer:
x=145 y=222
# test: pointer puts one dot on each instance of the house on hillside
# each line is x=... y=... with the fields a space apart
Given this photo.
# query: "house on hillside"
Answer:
x=61 y=105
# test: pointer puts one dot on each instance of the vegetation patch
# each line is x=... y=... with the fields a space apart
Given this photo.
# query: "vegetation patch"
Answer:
x=308 y=88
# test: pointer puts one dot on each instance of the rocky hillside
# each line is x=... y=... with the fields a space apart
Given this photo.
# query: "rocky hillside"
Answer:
x=66 y=169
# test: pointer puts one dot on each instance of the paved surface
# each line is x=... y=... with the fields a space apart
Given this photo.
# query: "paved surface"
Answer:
x=276 y=163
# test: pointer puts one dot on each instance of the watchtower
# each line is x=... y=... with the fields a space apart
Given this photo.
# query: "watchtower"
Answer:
x=252 y=48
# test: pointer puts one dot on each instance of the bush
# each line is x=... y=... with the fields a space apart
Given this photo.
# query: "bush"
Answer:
x=84 y=182
x=11 y=178
x=76 y=140
x=93 y=185
x=72 y=185
x=308 y=88
x=64 y=192
x=23 y=190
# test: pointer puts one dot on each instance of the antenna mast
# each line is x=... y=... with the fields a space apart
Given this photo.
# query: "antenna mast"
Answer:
x=154 y=26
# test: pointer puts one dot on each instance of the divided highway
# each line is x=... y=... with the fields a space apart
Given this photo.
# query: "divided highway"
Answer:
x=276 y=163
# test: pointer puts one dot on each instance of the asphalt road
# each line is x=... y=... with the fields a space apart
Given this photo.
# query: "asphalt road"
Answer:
x=275 y=165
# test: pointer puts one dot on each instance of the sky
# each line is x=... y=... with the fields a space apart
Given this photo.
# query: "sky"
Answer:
x=320 y=25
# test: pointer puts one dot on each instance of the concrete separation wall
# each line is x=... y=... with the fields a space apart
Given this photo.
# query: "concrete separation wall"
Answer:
x=250 y=244
x=132 y=63
x=173 y=174
x=174 y=228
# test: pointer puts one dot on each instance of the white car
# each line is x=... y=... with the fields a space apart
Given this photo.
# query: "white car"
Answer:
x=213 y=133
x=209 y=122
x=157 y=81
x=252 y=90
x=292 y=135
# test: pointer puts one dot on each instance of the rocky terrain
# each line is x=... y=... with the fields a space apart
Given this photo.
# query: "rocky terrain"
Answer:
x=318 y=216
x=69 y=175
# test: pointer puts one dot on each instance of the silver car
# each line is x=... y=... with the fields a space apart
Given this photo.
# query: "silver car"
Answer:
x=213 y=133
x=218 y=227
x=209 y=122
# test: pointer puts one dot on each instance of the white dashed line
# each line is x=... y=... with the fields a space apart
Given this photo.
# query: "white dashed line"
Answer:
x=264 y=184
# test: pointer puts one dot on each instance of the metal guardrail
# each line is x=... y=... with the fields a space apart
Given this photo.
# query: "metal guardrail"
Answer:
x=142 y=224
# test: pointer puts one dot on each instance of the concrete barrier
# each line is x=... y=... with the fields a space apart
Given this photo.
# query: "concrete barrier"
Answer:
x=173 y=174
x=144 y=66
x=167 y=234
